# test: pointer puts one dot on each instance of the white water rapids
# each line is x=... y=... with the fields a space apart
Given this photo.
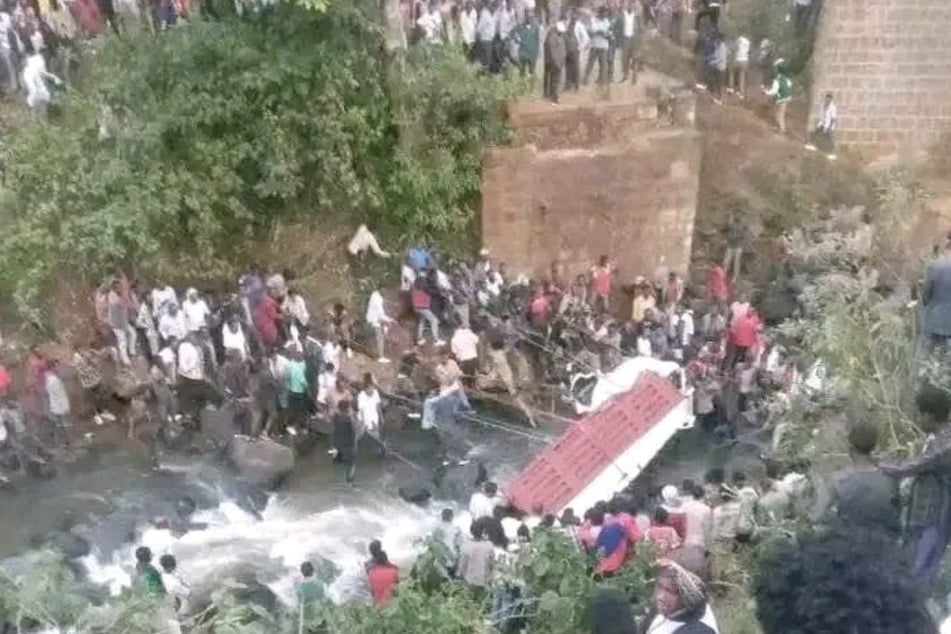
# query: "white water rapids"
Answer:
x=276 y=543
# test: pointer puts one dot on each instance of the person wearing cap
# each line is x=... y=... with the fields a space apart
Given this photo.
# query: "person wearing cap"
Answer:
x=555 y=56
x=680 y=602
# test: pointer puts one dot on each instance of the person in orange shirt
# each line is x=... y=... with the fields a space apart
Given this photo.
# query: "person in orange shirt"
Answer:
x=601 y=285
x=381 y=574
x=661 y=534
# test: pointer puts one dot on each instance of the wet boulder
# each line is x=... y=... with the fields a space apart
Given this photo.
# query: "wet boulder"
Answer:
x=70 y=544
x=457 y=480
x=260 y=462
x=324 y=569
x=218 y=425
x=415 y=494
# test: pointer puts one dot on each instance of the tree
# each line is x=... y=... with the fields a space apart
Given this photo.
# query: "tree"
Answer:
x=222 y=129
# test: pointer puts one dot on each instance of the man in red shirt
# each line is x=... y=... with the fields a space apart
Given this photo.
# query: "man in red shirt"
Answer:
x=540 y=309
x=267 y=317
x=717 y=287
x=381 y=574
x=743 y=337
x=601 y=285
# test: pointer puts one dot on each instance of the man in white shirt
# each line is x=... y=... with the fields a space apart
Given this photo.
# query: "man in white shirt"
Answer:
x=190 y=363
x=407 y=277
x=468 y=18
x=378 y=320
x=8 y=41
x=486 y=29
x=822 y=137
x=430 y=22
x=364 y=240
x=161 y=297
x=740 y=64
x=370 y=414
x=175 y=588
x=172 y=324
x=448 y=375
x=600 y=33
x=57 y=403
x=195 y=311
x=506 y=22
x=233 y=338
x=483 y=503
x=169 y=358
x=193 y=390
x=465 y=347
x=699 y=516
x=631 y=25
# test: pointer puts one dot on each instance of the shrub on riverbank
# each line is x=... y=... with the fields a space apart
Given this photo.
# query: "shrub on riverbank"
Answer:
x=554 y=578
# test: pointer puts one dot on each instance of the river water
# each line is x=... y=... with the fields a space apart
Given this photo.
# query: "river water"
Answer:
x=113 y=499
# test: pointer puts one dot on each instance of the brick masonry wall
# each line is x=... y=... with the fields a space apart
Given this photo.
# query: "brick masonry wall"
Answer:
x=589 y=126
x=888 y=62
x=634 y=201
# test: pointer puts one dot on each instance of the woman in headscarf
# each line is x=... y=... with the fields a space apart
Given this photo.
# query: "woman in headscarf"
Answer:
x=680 y=601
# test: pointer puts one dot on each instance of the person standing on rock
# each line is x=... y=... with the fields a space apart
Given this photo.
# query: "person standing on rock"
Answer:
x=345 y=439
x=555 y=56
x=193 y=389
x=378 y=321
x=120 y=324
x=57 y=403
x=370 y=413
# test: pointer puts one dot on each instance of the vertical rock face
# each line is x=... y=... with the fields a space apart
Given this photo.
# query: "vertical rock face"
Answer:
x=591 y=177
x=888 y=63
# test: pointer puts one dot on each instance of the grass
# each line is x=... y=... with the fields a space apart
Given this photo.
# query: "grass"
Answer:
x=736 y=614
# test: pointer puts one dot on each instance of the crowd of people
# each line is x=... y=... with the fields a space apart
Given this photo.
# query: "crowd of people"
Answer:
x=571 y=40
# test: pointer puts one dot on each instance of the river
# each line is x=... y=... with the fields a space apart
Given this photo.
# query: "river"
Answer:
x=113 y=498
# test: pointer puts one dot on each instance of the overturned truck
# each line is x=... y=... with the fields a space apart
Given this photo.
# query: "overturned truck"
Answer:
x=632 y=413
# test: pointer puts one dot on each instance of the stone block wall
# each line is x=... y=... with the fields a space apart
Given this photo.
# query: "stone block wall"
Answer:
x=633 y=199
x=888 y=62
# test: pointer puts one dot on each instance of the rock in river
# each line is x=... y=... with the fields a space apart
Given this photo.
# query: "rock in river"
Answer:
x=260 y=461
x=71 y=545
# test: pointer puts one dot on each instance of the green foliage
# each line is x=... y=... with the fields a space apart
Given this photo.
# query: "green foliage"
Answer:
x=448 y=110
x=47 y=593
x=454 y=610
x=867 y=339
x=134 y=612
x=558 y=575
x=218 y=130
x=555 y=577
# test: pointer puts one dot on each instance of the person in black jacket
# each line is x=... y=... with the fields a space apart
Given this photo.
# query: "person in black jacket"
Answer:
x=345 y=439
